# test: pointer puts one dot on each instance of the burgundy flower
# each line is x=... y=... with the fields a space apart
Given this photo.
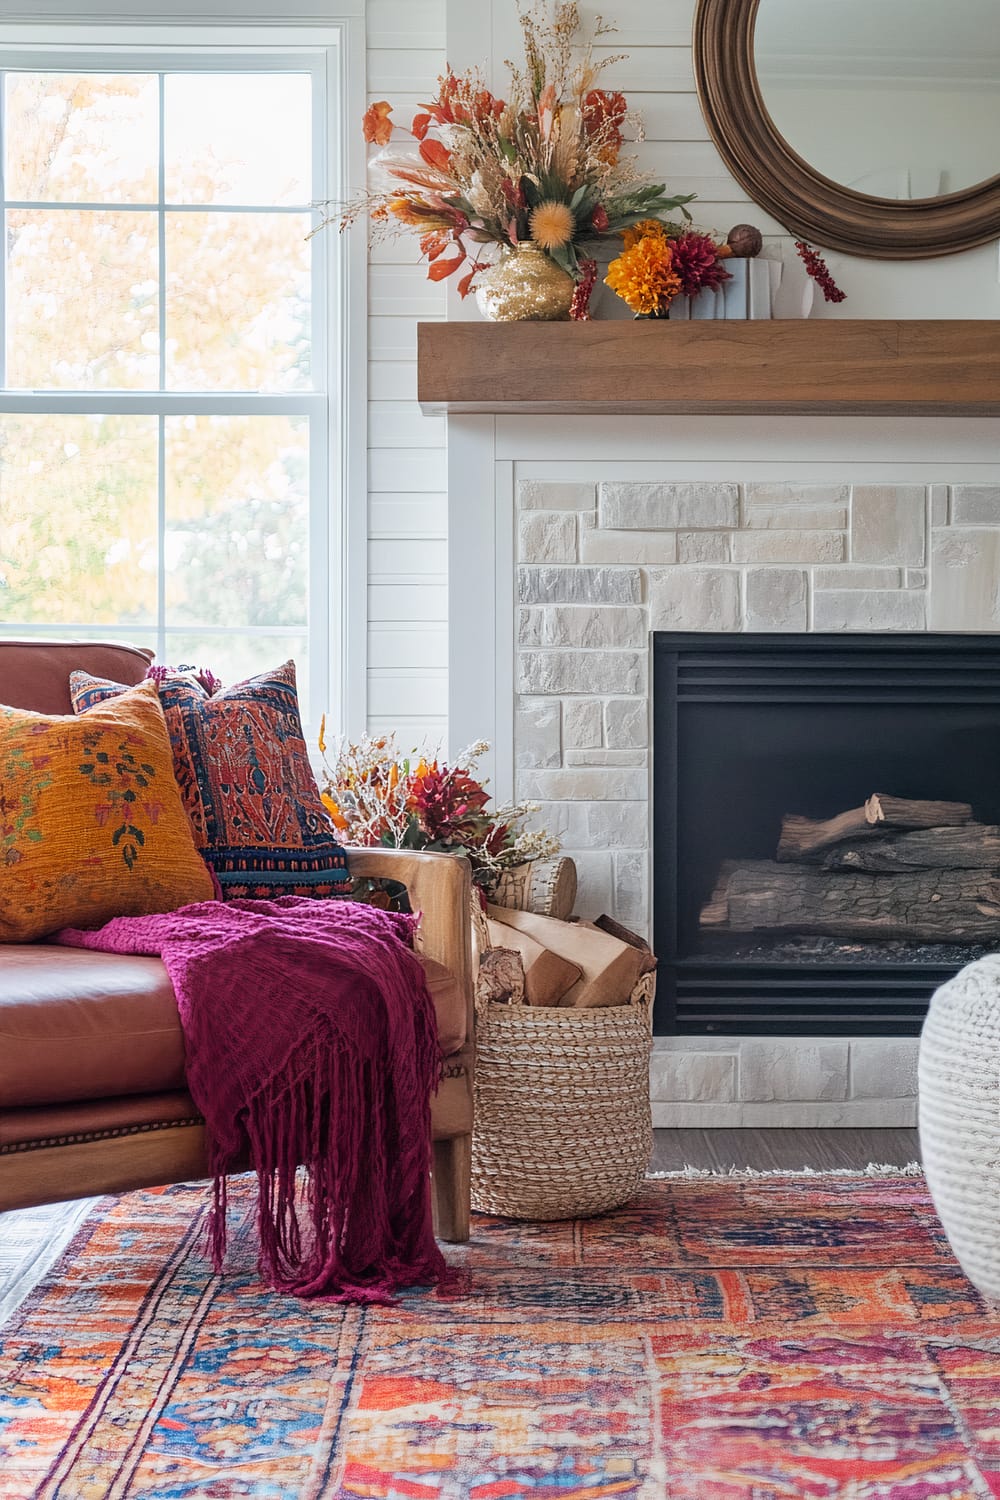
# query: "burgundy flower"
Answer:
x=696 y=261
x=599 y=219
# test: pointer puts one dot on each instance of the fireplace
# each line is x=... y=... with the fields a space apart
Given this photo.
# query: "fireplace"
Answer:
x=826 y=827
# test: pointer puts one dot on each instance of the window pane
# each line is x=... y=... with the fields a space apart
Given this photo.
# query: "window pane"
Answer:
x=81 y=299
x=238 y=302
x=238 y=138
x=78 y=520
x=237 y=521
x=233 y=658
x=82 y=138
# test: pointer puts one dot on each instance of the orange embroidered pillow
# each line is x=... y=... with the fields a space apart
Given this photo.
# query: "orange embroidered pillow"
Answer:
x=91 y=820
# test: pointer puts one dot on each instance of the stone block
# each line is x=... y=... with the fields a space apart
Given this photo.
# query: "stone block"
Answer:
x=703 y=546
x=707 y=1077
x=694 y=599
x=917 y=578
x=789 y=495
x=862 y=1114
x=884 y=1067
x=797 y=518
x=604 y=757
x=965 y=580
x=642 y=506
x=774 y=1069
x=537 y=737
x=860 y=609
x=594 y=884
x=576 y=625
x=848 y=577
x=631 y=890
x=549 y=672
x=589 y=826
x=600 y=546
x=788 y=547
x=626 y=723
x=537 y=494
x=776 y=599
x=586 y=784
x=939 y=505
x=547 y=536
x=579 y=586
x=796 y=507
x=888 y=524
x=582 y=723
x=975 y=505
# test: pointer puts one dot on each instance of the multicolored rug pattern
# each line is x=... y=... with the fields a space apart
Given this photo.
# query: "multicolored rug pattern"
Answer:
x=772 y=1339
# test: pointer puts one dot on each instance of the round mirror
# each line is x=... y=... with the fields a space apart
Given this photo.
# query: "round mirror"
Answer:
x=871 y=126
x=895 y=99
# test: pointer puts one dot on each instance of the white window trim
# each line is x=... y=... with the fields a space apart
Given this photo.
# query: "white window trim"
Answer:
x=339 y=572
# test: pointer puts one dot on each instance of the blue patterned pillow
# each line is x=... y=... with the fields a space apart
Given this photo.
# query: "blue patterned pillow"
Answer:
x=242 y=766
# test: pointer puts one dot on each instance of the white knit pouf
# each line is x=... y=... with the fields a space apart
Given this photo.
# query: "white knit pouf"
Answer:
x=960 y=1117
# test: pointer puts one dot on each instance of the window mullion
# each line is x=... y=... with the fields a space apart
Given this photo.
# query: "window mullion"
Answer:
x=3 y=229
x=161 y=225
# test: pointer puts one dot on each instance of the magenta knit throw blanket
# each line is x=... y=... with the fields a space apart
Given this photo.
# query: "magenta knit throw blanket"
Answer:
x=311 y=1041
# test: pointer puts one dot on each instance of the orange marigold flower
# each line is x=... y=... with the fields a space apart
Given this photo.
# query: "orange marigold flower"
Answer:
x=645 y=229
x=644 y=277
x=376 y=125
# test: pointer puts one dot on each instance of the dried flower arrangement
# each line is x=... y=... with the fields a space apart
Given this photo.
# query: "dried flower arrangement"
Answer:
x=377 y=796
x=543 y=167
x=661 y=262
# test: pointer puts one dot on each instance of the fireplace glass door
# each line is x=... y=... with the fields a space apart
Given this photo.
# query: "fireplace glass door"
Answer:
x=826 y=827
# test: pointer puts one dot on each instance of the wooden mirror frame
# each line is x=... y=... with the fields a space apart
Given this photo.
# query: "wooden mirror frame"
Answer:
x=801 y=199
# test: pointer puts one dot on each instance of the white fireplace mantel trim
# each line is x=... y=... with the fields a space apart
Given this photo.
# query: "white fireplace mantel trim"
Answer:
x=486 y=455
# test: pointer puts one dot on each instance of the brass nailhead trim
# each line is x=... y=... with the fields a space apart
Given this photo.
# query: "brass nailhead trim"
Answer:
x=83 y=1136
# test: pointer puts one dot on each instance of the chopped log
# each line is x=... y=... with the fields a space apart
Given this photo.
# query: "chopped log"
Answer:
x=805 y=837
x=802 y=838
x=923 y=906
x=902 y=812
x=970 y=846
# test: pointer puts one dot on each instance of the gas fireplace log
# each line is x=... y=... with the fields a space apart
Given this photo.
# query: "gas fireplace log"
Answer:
x=901 y=812
x=971 y=846
x=803 y=837
x=925 y=906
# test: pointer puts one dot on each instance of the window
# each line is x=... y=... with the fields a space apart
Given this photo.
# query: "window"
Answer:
x=164 y=392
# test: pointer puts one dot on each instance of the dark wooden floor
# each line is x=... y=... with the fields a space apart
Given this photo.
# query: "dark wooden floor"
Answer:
x=782 y=1150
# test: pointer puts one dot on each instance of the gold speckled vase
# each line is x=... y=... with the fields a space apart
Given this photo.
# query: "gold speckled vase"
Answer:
x=525 y=286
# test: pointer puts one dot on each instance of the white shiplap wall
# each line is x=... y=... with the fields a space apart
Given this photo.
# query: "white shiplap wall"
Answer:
x=407 y=478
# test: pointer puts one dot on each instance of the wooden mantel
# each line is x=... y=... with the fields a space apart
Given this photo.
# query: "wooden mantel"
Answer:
x=794 y=367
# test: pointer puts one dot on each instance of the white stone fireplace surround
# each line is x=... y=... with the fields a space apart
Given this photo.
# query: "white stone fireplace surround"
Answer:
x=572 y=539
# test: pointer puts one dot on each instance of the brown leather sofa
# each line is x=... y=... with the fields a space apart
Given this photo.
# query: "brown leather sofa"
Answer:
x=92 y=1088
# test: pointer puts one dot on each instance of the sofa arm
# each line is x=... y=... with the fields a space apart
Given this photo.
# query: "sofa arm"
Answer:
x=440 y=889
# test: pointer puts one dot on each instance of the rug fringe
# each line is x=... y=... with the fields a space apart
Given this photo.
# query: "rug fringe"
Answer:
x=873 y=1169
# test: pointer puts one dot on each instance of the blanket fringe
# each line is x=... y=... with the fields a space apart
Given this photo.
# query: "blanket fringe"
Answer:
x=873 y=1169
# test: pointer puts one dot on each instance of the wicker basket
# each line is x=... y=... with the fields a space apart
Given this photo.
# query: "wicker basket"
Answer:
x=562 y=1116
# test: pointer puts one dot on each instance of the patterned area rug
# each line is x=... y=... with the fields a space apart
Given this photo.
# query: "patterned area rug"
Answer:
x=770 y=1339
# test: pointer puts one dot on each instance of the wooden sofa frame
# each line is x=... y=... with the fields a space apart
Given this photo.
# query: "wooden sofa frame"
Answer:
x=75 y=1166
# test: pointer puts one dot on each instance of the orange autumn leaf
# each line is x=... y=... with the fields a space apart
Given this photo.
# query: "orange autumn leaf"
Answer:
x=376 y=125
x=465 y=285
x=336 y=816
x=442 y=268
x=432 y=245
x=435 y=155
x=420 y=126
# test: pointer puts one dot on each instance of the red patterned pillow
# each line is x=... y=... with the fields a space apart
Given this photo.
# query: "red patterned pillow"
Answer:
x=241 y=763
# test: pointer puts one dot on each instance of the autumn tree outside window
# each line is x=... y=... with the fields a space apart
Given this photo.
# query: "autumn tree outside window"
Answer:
x=167 y=464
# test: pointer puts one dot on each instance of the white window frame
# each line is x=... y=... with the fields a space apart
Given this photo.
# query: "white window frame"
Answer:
x=334 y=53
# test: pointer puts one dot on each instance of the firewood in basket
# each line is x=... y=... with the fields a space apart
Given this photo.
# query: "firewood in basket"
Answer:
x=802 y=838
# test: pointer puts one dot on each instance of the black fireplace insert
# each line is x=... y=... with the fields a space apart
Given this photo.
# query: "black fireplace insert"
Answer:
x=826 y=827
